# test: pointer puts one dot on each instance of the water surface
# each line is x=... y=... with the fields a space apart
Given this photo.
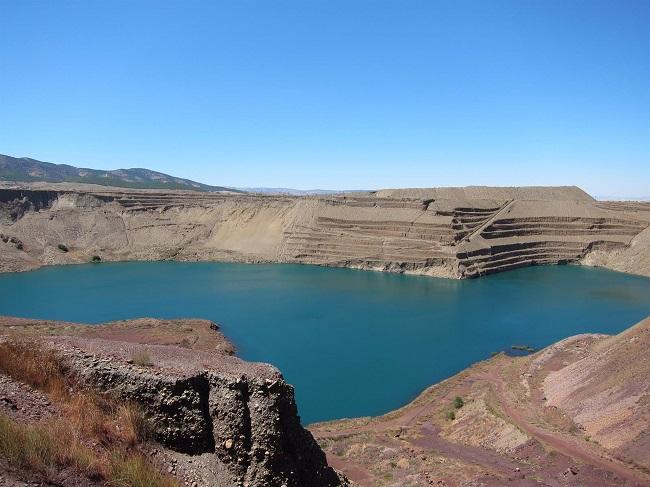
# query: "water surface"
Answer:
x=353 y=343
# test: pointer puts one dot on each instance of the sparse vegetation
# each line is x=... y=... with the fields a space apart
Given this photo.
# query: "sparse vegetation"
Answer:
x=95 y=435
x=13 y=240
x=96 y=258
x=36 y=366
x=136 y=471
x=142 y=358
x=43 y=447
x=451 y=415
x=62 y=247
x=458 y=402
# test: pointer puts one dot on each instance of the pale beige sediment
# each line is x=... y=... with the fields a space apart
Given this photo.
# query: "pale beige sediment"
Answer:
x=443 y=232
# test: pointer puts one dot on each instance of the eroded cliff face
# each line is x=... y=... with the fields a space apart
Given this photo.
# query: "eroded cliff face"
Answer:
x=240 y=418
x=449 y=232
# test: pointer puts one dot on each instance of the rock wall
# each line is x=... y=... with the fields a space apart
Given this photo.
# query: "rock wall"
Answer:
x=238 y=417
x=448 y=232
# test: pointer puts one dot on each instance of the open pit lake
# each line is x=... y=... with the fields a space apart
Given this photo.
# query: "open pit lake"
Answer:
x=353 y=343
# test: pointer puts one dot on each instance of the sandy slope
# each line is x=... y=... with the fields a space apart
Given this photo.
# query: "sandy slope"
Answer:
x=449 y=232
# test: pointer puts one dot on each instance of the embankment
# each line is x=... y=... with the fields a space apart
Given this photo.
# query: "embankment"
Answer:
x=447 y=232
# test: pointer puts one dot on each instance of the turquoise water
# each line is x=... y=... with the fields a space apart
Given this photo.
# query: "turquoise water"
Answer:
x=352 y=342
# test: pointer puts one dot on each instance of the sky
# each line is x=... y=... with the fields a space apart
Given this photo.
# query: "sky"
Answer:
x=334 y=94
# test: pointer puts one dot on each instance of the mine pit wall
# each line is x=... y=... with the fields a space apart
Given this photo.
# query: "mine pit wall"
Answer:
x=249 y=422
x=15 y=203
x=440 y=237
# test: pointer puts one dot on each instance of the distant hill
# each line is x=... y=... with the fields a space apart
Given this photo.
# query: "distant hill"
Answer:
x=291 y=191
x=30 y=170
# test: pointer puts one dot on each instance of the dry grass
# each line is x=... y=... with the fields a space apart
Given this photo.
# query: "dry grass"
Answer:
x=142 y=358
x=134 y=425
x=46 y=448
x=95 y=436
x=37 y=366
x=135 y=471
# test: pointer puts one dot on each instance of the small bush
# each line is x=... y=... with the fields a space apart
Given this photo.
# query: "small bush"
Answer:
x=19 y=246
x=451 y=415
x=458 y=402
x=62 y=248
x=96 y=258
x=142 y=358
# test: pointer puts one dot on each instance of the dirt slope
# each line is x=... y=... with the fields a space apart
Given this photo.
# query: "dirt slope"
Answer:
x=575 y=413
x=452 y=232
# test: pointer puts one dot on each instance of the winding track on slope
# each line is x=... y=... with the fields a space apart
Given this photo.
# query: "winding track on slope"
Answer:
x=558 y=442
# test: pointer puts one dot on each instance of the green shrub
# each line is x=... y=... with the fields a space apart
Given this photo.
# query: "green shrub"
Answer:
x=96 y=258
x=458 y=402
x=62 y=248
x=451 y=415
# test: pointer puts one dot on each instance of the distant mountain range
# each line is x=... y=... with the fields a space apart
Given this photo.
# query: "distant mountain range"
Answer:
x=291 y=191
x=301 y=192
x=25 y=169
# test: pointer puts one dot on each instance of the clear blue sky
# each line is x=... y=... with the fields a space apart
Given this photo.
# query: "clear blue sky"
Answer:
x=334 y=94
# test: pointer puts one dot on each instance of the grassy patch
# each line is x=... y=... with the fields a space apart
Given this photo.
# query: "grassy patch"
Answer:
x=136 y=471
x=46 y=448
x=96 y=435
x=36 y=366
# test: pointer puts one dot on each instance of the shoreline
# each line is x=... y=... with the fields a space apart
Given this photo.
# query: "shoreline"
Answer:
x=456 y=233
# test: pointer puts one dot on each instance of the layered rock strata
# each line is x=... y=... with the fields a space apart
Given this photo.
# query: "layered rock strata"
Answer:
x=449 y=232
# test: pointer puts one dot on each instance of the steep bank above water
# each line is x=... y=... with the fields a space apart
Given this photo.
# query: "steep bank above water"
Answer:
x=447 y=232
x=572 y=414
x=222 y=421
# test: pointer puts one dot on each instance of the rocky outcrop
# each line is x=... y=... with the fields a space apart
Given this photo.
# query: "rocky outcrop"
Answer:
x=449 y=232
x=199 y=401
x=15 y=203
